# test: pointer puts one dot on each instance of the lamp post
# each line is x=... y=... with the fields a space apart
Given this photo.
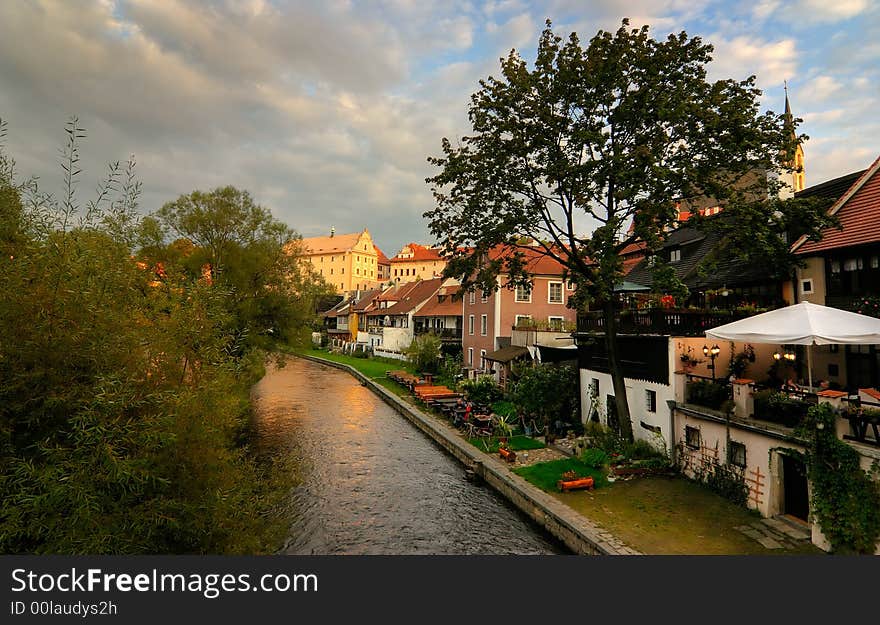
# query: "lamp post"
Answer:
x=712 y=353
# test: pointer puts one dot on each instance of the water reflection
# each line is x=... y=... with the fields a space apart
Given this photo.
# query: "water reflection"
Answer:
x=372 y=483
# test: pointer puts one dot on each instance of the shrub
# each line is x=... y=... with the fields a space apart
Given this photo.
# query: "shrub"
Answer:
x=424 y=353
x=779 y=408
x=482 y=390
x=708 y=394
x=594 y=457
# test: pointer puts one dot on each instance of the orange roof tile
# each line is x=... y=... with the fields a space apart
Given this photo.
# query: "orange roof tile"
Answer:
x=536 y=260
x=421 y=292
x=419 y=253
x=859 y=213
x=328 y=245
x=382 y=260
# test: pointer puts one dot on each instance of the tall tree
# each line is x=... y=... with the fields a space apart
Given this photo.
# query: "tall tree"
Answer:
x=271 y=288
x=592 y=150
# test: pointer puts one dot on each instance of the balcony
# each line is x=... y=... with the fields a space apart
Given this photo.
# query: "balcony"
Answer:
x=662 y=321
x=451 y=335
x=535 y=325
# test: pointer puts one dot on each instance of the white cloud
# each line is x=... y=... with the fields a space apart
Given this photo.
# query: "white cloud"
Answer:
x=825 y=10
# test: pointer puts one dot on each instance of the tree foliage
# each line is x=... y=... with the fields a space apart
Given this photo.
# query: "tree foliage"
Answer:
x=593 y=149
x=124 y=417
x=548 y=393
x=271 y=289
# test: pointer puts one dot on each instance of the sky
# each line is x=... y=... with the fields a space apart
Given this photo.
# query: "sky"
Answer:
x=326 y=111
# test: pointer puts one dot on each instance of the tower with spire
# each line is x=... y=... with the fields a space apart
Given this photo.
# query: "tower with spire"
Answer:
x=797 y=180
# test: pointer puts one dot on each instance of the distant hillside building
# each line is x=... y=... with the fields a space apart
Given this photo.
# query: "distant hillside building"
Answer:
x=417 y=262
x=349 y=262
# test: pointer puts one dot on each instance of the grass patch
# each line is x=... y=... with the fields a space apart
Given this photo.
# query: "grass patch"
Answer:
x=370 y=367
x=516 y=443
x=672 y=515
x=544 y=475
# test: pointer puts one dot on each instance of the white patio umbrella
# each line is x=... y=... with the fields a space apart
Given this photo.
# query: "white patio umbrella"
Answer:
x=802 y=324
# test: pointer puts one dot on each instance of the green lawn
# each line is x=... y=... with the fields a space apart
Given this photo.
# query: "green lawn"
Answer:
x=516 y=443
x=544 y=475
x=671 y=515
x=370 y=367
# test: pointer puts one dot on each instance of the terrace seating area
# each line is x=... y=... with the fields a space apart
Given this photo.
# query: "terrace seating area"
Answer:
x=472 y=419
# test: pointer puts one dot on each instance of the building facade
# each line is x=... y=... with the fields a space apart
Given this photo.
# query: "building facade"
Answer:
x=348 y=262
x=416 y=262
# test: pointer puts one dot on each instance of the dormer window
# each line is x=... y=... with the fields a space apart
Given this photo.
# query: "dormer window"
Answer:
x=675 y=255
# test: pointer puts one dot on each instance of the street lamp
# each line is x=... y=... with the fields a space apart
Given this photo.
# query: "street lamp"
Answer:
x=712 y=353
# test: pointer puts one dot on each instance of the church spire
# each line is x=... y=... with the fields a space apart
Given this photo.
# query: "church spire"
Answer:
x=797 y=164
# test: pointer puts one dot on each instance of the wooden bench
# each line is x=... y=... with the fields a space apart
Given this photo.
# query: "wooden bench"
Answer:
x=576 y=484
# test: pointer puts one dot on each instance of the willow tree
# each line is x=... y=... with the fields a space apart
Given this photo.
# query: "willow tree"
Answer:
x=591 y=150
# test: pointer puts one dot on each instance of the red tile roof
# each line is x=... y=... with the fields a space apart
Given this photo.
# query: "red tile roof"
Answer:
x=419 y=253
x=859 y=212
x=449 y=307
x=537 y=263
x=382 y=259
x=421 y=291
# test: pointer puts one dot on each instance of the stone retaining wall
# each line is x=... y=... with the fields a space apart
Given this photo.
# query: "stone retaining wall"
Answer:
x=574 y=530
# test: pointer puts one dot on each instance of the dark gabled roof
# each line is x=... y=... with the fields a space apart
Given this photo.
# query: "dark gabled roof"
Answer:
x=831 y=189
x=696 y=245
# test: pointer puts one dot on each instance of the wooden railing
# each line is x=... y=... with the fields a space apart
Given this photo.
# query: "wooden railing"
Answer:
x=660 y=321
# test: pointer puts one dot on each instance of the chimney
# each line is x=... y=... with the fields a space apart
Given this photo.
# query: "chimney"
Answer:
x=332 y=231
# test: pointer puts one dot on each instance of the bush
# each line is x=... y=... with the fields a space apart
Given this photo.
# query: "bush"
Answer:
x=424 y=353
x=482 y=391
x=594 y=457
x=708 y=394
x=779 y=408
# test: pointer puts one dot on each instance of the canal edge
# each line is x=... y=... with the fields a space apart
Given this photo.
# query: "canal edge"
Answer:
x=573 y=529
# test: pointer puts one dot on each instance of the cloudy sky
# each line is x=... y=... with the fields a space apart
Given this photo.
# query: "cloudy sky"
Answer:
x=326 y=111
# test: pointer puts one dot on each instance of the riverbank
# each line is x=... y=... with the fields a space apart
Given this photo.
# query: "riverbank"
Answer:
x=578 y=533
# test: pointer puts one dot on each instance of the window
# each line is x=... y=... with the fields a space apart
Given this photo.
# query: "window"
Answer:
x=482 y=359
x=692 y=437
x=484 y=324
x=594 y=387
x=569 y=285
x=835 y=266
x=806 y=287
x=851 y=264
x=523 y=294
x=484 y=298
x=651 y=400
x=556 y=323
x=651 y=260
x=522 y=320
x=554 y=293
x=472 y=298
x=736 y=454
x=875 y=262
x=471 y=324
x=675 y=256
x=331 y=271
x=471 y=355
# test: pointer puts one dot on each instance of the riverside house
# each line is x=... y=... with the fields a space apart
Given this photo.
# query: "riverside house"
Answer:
x=490 y=318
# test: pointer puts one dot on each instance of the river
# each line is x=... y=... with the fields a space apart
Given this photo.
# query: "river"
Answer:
x=371 y=483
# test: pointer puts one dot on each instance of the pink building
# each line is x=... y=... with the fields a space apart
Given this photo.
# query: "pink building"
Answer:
x=490 y=318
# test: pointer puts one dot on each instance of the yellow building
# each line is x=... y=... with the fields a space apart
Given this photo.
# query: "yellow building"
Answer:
x=349 y=262
x=416 y=262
